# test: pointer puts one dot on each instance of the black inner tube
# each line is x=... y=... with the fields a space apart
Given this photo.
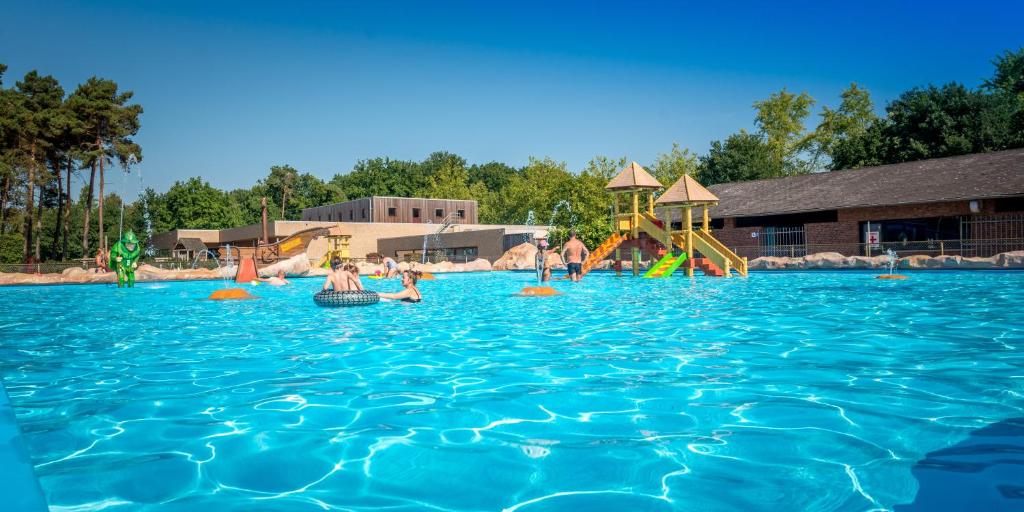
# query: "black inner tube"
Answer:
x=335 y=299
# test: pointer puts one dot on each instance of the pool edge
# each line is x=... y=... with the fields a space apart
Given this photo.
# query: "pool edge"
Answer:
x=18 y=483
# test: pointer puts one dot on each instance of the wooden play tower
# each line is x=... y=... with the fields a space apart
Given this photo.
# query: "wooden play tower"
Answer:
x=684 y=195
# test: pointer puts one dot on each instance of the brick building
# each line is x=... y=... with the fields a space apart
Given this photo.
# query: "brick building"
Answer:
x=970 y=205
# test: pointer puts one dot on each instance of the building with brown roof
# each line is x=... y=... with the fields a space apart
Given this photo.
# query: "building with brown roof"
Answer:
x=971 y=205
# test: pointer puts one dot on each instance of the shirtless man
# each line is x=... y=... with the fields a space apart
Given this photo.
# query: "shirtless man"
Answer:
x=574 y=254
x=337 y=279
x=277 y=280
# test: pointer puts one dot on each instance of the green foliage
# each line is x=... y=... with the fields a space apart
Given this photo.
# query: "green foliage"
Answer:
x=10 y=248
x=838 y=127
x=743 y=156
x=450 y=180
x=780 y=122
x=675 y=164
x=195 y=204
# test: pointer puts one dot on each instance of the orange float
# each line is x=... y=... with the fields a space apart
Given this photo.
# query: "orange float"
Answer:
x=427 y=276
x=890 y=276
x=538 y=291
x=230 y=294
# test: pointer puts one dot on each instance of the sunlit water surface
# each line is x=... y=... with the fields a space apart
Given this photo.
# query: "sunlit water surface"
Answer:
x=784 y=391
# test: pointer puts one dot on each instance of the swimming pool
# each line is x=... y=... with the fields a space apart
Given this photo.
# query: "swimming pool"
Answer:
x=784 y=391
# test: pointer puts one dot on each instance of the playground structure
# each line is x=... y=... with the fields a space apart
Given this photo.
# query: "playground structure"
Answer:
x=337 y=247
x=684 y=195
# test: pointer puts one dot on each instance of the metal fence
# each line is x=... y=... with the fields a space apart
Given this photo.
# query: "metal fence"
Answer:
x=970 y=248
x=783 y=241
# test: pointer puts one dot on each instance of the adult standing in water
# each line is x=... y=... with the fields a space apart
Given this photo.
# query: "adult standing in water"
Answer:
x=391 y=267
x=573 y=254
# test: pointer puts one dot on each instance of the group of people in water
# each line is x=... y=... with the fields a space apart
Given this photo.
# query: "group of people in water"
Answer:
x=345 y=277
x=574 y=253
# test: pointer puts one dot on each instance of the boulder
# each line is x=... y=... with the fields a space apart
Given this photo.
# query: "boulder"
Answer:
x=1014 y=259
x=477 y=265
x=295 y=266
x=520 y=257
x=992 y=262
x=824 y=260
x=914 y=262
x=766 y=263
x=74 y=272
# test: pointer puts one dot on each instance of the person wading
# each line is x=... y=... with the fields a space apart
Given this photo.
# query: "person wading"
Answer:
x=573 y=254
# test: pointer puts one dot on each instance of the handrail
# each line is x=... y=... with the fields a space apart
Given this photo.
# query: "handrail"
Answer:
x=706 y=249
x=740 y=264
x=649 y=227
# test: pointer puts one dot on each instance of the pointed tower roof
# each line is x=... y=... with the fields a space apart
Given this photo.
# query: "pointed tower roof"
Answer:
x=686 y=191
x=633 y=177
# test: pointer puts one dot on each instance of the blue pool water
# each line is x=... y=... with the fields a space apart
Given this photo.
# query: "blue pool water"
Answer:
x=784 y=391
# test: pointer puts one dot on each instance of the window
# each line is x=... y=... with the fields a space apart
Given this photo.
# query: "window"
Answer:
x=415 y=213
x=462 y=214
x=392 y=211
x=699 y=224
x=913 y=230
x=791 y=219
x=438 y=212
x=1010 y=204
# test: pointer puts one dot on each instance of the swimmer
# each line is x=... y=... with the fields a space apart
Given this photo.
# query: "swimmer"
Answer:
x=337 y=278
x=410 y=293
x=353 y=277
x=277 y=280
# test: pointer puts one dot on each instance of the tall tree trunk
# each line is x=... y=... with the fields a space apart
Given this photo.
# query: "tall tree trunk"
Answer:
x=4 y=189
x=60 y=209
x=30 y=195
x=67 y=211
x=99 y=217
x=88 y=210
x=38 y=226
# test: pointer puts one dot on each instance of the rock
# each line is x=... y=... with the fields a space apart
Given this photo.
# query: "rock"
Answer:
x=992 y=262
x=477 y=265
x=824 y=260
x=520 y=257
x=295 y=266
x=916 y=261
x=74 y=271
x=1014 y=259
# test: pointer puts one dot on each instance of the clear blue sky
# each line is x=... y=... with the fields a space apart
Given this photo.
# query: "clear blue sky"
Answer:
x=231 y=88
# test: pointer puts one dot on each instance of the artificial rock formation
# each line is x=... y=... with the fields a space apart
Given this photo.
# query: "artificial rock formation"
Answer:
x=834 y=260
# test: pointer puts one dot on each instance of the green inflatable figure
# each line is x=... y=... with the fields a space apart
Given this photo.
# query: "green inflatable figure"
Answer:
x=124 y=259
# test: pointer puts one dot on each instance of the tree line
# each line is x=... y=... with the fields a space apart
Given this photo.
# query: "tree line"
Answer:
x=47 y=138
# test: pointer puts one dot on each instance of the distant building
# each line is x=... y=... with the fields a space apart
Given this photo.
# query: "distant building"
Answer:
x=385 y=209
x=970 y=205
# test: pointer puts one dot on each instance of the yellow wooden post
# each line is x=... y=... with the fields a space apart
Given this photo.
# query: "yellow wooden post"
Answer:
x=688 y=230
x=707 y=221
x=650 y=202
x=633 y=228
x=615 y=229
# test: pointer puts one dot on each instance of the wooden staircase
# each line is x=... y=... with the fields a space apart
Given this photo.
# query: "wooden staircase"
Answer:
x=707 y=266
